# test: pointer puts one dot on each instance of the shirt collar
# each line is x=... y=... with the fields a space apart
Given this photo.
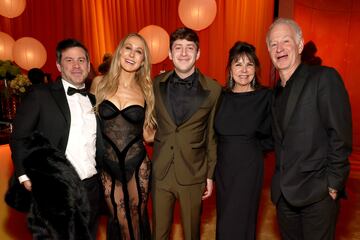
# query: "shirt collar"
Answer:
x=190 y=78
x=66 y=85
x=291 y=79
x=294 y=75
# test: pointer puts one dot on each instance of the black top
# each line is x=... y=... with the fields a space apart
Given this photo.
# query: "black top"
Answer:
x=282 y=96
x=180 y=95
x=245 y=116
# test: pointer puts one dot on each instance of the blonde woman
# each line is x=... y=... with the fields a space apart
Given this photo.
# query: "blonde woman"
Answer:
x=125 y=103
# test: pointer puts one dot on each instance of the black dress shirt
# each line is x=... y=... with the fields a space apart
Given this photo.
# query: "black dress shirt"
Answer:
x=282 y=96
x=180 y=94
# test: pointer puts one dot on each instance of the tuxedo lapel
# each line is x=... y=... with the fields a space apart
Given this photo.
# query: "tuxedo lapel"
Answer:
x=296 y=90
x=99 y=138
x=277 y=127
x=201 y=95
x=165 y=103
x=92 y=99
x=57 y=91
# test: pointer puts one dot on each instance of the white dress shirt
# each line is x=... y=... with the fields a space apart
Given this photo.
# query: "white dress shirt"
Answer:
x=81 y=146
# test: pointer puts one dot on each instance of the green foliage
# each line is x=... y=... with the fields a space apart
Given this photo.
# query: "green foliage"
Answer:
x=20 y=84
x=8 y=70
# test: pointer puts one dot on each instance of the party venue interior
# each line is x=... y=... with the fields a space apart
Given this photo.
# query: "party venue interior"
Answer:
x=31 y=29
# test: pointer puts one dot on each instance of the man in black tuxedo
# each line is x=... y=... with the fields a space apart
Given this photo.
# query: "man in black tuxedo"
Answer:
x=313 y=137
x=63 y=114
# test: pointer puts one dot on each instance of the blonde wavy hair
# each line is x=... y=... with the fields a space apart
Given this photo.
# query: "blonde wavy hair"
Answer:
x=109 y=84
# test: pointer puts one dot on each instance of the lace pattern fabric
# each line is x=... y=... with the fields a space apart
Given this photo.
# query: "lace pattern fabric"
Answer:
x=126 y=172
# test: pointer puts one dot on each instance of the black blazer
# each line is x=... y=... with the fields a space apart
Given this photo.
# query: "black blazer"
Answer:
x=45 y=110
x=313 y=147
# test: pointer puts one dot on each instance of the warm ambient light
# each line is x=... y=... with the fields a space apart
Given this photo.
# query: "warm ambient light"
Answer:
x=197 y=14
x=12 y=8
x=29 y=53
x=6 y=46
x=158 y=41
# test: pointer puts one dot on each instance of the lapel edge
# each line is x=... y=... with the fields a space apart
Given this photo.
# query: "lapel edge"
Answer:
x=295 y=93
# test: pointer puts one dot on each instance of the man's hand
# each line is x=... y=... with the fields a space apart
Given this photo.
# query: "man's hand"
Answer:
x=333 y=193
x=208 y=189
x=27 y=185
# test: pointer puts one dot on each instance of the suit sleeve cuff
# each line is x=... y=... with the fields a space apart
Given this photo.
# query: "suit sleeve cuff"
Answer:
x=23 y=178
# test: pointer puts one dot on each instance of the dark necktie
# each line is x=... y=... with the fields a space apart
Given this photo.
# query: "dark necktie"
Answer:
x=72 y=91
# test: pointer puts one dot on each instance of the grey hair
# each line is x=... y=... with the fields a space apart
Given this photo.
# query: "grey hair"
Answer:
x=287 y=21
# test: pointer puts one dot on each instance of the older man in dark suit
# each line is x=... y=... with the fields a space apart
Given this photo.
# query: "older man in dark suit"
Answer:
x=313 y=136
x=184 y=148
x=63 y=114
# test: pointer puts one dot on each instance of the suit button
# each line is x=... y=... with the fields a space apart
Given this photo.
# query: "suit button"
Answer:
x=171 y=147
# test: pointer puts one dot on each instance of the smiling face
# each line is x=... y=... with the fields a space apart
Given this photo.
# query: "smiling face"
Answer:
x=243 y=72
x=74 y=66
x=184 y=54
x=132 y=54
x=285 y=49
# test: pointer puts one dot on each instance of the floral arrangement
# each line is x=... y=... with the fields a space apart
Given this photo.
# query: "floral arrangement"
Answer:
x=8 y=70
x=20 y=84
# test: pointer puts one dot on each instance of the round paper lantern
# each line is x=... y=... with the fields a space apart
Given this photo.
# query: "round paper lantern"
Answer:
x=29 y=53
x=197 y=14
x=6 y=46
x=12 y=8
x=158 y=42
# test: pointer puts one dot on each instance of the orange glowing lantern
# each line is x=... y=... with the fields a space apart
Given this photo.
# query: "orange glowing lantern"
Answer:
x=158 y=42
x=197 y=14
x=29 y=53
x=12 y=8
x=6 y=46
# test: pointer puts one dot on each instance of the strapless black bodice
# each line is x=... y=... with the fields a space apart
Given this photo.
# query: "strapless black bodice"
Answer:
x=122 y=131
x=133 y=113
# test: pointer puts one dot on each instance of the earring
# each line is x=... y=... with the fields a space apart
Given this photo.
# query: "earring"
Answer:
x=253 y=83
x=231 y=81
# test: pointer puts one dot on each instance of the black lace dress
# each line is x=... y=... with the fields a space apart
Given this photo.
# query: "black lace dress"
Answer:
x=126 y=172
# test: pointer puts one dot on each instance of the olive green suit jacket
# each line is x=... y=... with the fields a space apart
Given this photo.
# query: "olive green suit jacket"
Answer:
x=191 y=146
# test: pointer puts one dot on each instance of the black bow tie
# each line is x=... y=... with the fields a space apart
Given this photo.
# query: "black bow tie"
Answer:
x=72 y=91
x=180 y=82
